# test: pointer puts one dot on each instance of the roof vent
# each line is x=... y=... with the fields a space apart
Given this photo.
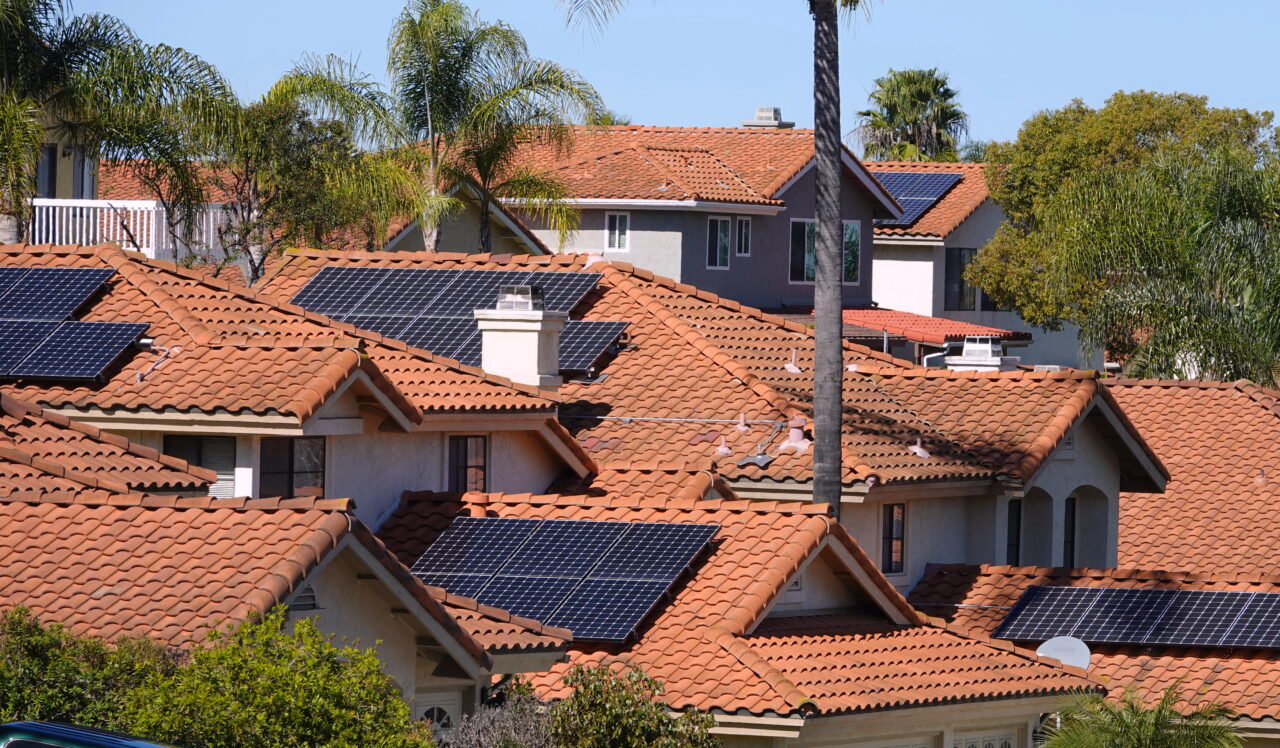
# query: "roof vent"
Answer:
x=982 y=353
x=769 y=116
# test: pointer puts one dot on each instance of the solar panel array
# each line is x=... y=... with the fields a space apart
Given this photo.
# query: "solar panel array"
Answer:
x=1188 y=618
x=915 y=192
x=37 y=337
x=432 y=308
x=597 y=579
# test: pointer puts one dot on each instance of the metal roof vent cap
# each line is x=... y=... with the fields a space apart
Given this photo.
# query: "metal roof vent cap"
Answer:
x=770 y=117
x=522 y=298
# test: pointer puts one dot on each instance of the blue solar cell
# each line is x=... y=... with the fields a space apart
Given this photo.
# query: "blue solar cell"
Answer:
x=443 y=336
x=472 y=290
x=564 y=548
x=1123 y=615
x=392 y=326
x=51 y=293
x=915 y=192
x=467 y=585
x=475 y=545
x=608 y=609
x=339 y=290
x=582 y=342
x=1258 y=625
x=79 y=350
x=408 y=291
x=18 y=338
x=1045 y=612
x=10 y=276
x=654 y=551
x=561 y=292
x=532 y=597
x=1197 y=618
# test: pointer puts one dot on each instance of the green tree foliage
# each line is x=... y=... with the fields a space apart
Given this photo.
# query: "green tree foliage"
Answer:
x=1180 y=258
x=1056 y=148
x=1094 y=721
x=608 y=710
x=273 y=685
x=47 y=673
x=470 y=91
x=914 y=116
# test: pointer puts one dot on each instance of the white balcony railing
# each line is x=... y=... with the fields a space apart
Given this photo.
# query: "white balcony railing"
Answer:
x=133 y=224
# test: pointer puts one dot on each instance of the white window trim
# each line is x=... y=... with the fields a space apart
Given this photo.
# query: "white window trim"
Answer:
x=711 y=221
x=737 y=237
x=626 y=234
x=843 y=222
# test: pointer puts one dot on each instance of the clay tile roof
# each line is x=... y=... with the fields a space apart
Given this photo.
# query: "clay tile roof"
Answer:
x=975 y=599
x=698 y=643
x=702 y=372
x=922 y=329
x=658 y=173
x=47 y=455
x=948 y=213
x=1219 y=441
x=223 y=348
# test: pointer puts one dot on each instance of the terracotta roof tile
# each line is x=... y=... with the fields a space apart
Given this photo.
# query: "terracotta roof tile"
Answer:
x=922 y=329
x=947 y=214
x=658 y=173
x=976 y=598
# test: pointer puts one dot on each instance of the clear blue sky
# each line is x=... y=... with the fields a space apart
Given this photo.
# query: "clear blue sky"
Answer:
x=711 y=62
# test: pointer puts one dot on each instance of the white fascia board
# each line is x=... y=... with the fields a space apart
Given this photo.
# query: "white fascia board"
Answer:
x=695 y=206
x=778 y=728
x=907 y=241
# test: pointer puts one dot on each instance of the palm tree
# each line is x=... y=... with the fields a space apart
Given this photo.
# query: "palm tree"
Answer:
x=88 y=80
x=1092 y=720
x=828 y=369
x=914 y=116
x=472 y=94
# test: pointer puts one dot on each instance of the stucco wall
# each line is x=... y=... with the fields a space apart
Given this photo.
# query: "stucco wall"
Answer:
x=903 y=277
x=461 y=233
x=936 y=532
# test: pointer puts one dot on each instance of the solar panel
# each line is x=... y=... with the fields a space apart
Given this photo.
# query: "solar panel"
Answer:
x=51 y=293
x=915 y=192
x=467 y=585
x=653 y=551
x=407 y=291
x=475 y=545
x=384 y=324
x=338 y=290
x=18 y=338
x=472 y=290
x=9 y=276
x=79 y=350
x=533 y=597
x=584 y=341
x=608 y=609
x=444 y=336
x=1153 y=617
x=564 y=548
x=561 y=292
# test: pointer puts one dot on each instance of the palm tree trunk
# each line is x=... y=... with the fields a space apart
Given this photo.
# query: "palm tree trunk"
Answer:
x=828 y=369
x=10 y=229
x=486 y=230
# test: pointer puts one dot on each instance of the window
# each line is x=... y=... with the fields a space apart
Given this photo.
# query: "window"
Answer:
x=999 y=740
x=47 y=171
x=718 y=235
x=744 y=236
x=618 y=231
x=81 y=175
x=291 y=465
x=959 y=295
x=1069 y=533
x=1013 y=544
x=468 y=468
x=892 y=555
x=216 y=453
x=803 y=241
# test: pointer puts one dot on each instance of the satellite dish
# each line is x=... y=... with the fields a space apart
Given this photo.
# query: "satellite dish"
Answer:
x=1066 y=649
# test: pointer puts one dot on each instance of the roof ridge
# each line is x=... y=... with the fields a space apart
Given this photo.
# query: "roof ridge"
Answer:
x=748 y=657
x=1107 y=573
x=675 y=504
x=1267 y=397
x=127 y=267
x=127 y=497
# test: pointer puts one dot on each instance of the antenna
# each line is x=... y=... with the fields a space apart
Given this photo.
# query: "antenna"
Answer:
x=791 y=367
x=1066 y=649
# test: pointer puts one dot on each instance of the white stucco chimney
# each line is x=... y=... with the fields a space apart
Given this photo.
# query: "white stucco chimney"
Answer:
x=519 y=339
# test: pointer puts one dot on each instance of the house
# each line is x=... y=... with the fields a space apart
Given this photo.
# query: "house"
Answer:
x=281 y=402
x=940 y=466
x=919 y=263
x=86 y=543
x=783 y=630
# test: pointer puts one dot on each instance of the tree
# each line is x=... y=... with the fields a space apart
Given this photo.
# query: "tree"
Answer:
x=269 y=685
x=1092 y=720
x=1177 y=258
x=914 y=116
x=472 y=94
x=1056 y=147
x=608 y=710
x=88 y=80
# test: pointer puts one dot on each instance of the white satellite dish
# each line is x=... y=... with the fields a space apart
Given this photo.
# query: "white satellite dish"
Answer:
x=1066 y=649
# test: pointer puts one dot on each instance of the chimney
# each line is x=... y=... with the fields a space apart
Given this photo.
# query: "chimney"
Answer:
x=982 y=353
x=519 y=339
x=769 y=117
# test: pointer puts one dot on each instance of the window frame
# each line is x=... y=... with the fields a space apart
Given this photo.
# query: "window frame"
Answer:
x=712 y=223
x=845 y=224
x=887 y=566
x=738 y=249
x=457 y=483
x=292 y=472
x=624 y=235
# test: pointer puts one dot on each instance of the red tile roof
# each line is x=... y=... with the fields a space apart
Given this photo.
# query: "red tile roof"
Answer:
x=652 y=173
x=1221 y=442
x=947 y=214
x=225 y=348
x=976 y=598
x=698 y=363
x=922 y=329
x=701 y=645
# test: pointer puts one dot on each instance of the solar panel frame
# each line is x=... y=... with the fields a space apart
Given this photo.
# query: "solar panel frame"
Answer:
x=583 y=342
x=443 y=336
x=653 y=551
x=51 y=293
x=390 y=325
x=475 y=545
x=608 y=609
x=915 y=192
x=19 y=337
x=79 y=350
